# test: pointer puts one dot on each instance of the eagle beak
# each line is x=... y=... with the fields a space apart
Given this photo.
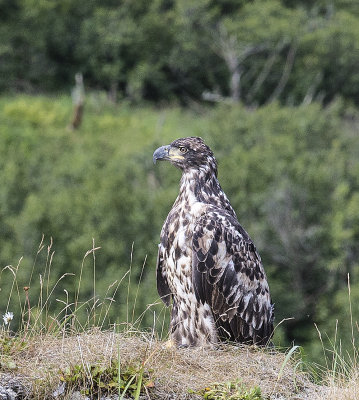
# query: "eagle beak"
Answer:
x=162 y=153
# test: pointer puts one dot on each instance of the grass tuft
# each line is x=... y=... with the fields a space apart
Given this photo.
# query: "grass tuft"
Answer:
x=97 y=379
x=230 y=391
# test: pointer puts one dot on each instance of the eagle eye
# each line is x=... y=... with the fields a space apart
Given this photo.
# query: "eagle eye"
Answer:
x=183 y=149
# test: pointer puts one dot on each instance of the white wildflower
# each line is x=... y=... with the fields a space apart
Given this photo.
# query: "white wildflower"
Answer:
x=8 y=317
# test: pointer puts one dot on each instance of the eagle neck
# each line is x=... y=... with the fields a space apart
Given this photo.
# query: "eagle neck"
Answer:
x=201 y=185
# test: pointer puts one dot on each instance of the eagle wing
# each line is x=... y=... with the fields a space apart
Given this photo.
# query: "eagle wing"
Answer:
x=229 y=276
x=162 y=284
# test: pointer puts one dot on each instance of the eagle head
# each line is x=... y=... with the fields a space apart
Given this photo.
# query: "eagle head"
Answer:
x=187 y=153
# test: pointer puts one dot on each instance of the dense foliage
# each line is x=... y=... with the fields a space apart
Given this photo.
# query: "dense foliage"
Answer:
x=291 y=174
x=253 y=51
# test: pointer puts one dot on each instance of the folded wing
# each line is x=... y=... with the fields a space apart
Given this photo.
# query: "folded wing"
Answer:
x=229 y=276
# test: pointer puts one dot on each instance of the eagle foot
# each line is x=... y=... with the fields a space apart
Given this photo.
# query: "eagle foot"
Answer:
x=170 y=344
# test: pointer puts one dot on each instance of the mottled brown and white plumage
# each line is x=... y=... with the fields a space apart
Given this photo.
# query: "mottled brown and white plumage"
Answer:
x=207 y=264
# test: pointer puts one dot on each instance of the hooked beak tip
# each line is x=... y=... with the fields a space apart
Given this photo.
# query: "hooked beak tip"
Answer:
x=161 y=154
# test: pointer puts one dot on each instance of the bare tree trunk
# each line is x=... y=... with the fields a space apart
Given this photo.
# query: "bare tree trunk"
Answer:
x=235 y=83
x=308 y=98
x=112 y=93
x=77 y=116
x=228 y=48
x=78 y=100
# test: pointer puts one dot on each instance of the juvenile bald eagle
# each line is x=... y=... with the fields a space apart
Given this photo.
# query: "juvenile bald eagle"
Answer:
x=207 y=264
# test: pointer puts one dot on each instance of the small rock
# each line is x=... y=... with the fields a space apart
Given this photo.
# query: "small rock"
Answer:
x=60 y=390
x=78 y=396
x=7 y=394
x=13 y=387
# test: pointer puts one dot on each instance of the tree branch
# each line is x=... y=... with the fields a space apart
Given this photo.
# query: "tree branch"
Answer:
x=265 y=70
x=286 y=73
x=308 y=98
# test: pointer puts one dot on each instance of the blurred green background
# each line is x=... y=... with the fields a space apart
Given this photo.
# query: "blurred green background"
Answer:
x=273 y=88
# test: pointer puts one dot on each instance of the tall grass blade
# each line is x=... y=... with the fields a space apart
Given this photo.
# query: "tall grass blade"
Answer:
x=351 y=315
x=94 y=282
x=138 y=287
x=119 y=371
x=285 y=362
x=129 y=284
x=127 y=386
x=139 y=384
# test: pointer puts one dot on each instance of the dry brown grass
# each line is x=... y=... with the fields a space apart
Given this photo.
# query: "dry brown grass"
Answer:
x=343 y=388
x=173 y=371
